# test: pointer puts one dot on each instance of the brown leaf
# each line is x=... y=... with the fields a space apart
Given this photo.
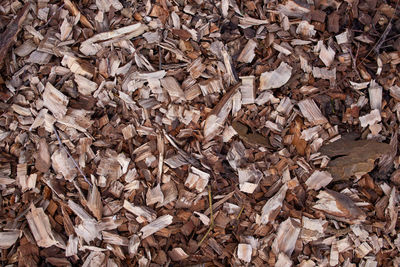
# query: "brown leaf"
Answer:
x=353 y=157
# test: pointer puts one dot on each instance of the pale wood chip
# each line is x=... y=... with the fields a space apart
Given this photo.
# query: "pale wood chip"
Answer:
x=244 y=252
x=55 y=101
x=40 y=227
x=327 y=55
x=292 y=9
x=7 y=239
x=283 y=261
x=276 y=78
x=115 y=239
x=64 y=165
x=318 y=180
x=286 y=237
x=272 y=208
x=339 y=206
x=247 y=55
x=375 y=95
x=311 y=111
x=178 y=254
x=306 y=29
x=140 y=211
x=72 y=246
x=173 y=88
x=370 y=119
x=92 y=45
x=156 y=225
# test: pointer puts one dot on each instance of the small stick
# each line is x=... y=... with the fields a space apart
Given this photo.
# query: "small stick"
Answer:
x=70 y=156
x=211 y=217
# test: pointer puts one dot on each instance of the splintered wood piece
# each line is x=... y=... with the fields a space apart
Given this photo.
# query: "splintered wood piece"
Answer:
x=154 y=195
x=306 y=29
x=312 y=229
x=21 y=110
x=276 y=78
x=246 y=22
x=78 y=66
x=94 y=202
x=75 y=12
x=55 y=101
x=42 y=161
x=395 y=92
x=143 y=213
x=173 y=88
x=286 y=237
x=197 y=179
x=339 y=206
x=284 y=261
x=325 y=73
x=334 y=255
x=370 y=119
x=281 y=49
x=85 y=86
x=247 y=55
x=92 y=45
x=311 y=112
x=89 y=228
x=40 y=227
x=7 y=38
x=72 y=246
x=272 y=208
x=79 y=211
x=61 y=163
x=133 y=245
x=114 y=239
x=375 y=95
x=213 y=125
x=7 y=239
x=178 y=254
x=392 y=212
x=244 y=252
x=353 y=158
x=249 y=178
x=327 y=55
x=292 y=9
x=196 y=68
x=95 y=258
x=318 y=179
x=229 y=67
x=247 y=89
x=156 y=225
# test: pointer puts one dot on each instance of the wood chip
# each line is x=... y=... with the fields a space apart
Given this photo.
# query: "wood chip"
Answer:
x=244 y=252
x=156 y=225
x=318 y=180
x=8 y=239
x=276 y=78
x=339 y=206
x=311 y=111
x=55 y=101
x=40 y=226
x=247 y=55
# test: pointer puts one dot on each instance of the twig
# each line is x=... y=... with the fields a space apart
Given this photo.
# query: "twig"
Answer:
x=211 y=217
x=50 y=19
x=354 y=63
x=70 y=156
x=240 y=213
x=378 y=44
x=383 y=36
